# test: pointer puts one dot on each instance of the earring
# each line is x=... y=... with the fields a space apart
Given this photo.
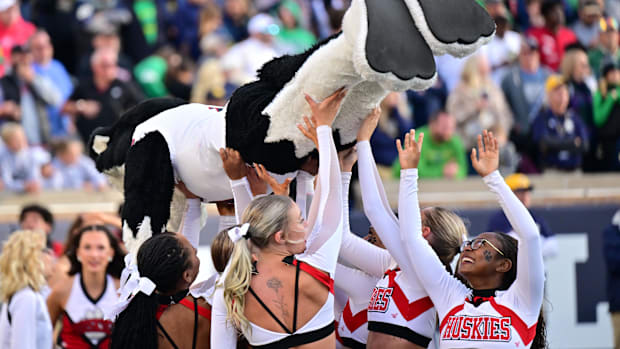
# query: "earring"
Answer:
x=79 y=259
x=110 y=259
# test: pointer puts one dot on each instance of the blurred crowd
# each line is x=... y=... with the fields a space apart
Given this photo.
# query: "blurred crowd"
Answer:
x=547 y=84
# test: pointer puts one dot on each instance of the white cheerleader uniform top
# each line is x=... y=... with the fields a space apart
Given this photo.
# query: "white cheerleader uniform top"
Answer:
x=321 y=254
x=470 y=318
x=25 y=322
x=84 y=325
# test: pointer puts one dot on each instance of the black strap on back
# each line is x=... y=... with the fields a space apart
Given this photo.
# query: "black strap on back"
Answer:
x=167 y=335
x=270 y=312
x=195 y=335
x=296 y=298
x=195 y=323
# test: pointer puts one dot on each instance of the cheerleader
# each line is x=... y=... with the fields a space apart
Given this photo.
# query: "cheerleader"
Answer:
x=284 y=297
x=24 y=320
x=400 y=312
x=89 y=290
x=500 y=308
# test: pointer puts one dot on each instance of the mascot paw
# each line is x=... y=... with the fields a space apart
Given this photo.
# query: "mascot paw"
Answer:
x=455 y=27
x=388 y=48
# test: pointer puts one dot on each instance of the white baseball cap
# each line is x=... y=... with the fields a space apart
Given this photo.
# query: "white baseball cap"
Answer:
x=5 y=4
x=262 y=24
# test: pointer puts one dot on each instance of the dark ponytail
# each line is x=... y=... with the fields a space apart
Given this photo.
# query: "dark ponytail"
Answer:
x=540 y=340
x=162 y=259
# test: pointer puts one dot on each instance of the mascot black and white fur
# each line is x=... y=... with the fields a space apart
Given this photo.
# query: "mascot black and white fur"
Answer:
x=385 y=45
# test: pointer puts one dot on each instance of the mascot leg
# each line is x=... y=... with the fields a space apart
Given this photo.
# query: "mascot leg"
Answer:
x=149 y=184
x=455 y=27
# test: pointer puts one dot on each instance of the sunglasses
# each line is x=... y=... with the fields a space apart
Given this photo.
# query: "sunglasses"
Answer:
x=477 y=243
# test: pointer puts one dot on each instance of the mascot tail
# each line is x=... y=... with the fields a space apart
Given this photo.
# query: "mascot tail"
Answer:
x=108 y=145
x=149 y=185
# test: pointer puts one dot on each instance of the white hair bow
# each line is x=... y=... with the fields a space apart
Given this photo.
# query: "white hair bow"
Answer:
x=238 y=233
x=131 y=284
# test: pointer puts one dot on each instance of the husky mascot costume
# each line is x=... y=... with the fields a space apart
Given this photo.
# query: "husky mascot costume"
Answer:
x=385 y=45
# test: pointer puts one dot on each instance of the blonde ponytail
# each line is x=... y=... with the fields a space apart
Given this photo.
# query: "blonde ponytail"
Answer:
x=266 y=215
x=447 y=230
x=237 y=283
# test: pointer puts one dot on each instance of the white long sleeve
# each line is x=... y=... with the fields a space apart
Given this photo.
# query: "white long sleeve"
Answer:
x=30 y=327
x=441 y=286
x=242 y=195
x=355 y=283
x=304 y=191
x=223 y=333
x=355 y=251
x=191 y=222
x=530 y=280
x=325 y=216
x=378 y=210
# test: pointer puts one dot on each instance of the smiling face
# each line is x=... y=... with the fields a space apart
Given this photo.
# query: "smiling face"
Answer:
x=94 y=251
x=484 y=262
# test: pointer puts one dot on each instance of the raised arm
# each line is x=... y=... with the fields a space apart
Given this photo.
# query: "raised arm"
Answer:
x=355 y=283
x=445 y=291
x=530 y=279
x=376 y=206
x=325 y=216
x=355 y=251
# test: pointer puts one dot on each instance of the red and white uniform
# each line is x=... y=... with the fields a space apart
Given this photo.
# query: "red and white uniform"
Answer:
x=399 y=305
x=502 y=319
x=83 y=325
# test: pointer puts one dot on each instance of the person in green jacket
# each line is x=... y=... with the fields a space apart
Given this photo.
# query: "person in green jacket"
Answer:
x=606 y=106
x=293 y=36
x=443 y=154
x=607 y=48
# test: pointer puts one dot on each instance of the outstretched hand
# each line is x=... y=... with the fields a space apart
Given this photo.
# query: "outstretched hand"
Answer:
x=257 y=185
x=409 y=156
x=233 y=163
x=188 y=194
x=309 y=130
x=278 y=188
x=325 y=112
x=487 y=159
x=369 y=125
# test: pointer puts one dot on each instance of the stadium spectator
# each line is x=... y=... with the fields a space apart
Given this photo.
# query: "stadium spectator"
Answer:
x=236 y=17
x=559 y=134
x=509 y=158
x=186 y=26
x=14 y=31
x=554 y=36
x=587 y=27
x=106 y=40
x=524 y=88
x=611 y=252
x=46 y=66
x=34 y=93
x=73 y=169
x=24 y=320
x=18 y=163
x=292 y=35
x=607 y=48
x=607 y=117
x=443 y=154
x=520 y=184
x=428 y=102
x=503 y=50
x=37 y=217
x=394 y=122
x=244 y=59
x=102 y=98
x=477 y=103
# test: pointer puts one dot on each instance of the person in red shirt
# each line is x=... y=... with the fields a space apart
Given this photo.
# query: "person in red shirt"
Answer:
x=14 y=31
x=553 y=37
